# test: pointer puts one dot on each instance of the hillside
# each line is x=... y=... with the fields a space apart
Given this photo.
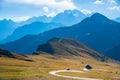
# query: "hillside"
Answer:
x=69 y=47
x=98 y=32
x=15 y=69
x=8 y=54
x=59 y=54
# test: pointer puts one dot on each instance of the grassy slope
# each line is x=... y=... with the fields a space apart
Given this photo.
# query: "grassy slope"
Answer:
x=13 y=69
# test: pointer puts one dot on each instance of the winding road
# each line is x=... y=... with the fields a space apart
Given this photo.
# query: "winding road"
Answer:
x=81 y=78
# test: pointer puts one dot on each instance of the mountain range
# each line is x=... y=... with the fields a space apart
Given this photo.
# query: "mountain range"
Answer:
x=97 y=32
x=31 y=29
x=69 y=17
x=9 y=28
x=43 y=19
x=73 y=16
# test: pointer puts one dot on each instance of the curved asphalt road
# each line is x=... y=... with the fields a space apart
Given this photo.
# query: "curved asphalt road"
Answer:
x=81 y=78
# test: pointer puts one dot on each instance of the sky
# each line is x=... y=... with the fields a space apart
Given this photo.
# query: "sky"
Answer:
x=19 y=10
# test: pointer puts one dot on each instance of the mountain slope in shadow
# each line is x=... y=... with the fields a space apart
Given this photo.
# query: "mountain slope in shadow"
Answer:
x=114 y=53
x=8 y=54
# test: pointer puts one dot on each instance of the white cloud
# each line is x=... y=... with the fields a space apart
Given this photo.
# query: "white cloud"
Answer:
x=22 y=18
x=99 y=2
x=114 y=8
x=52 y=14
x=112 y=1
x=86 y=12
x=50 y=7
x=45 y=9
x=65 y=4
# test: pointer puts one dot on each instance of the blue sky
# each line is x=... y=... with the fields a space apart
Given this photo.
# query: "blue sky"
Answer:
x=23 y=9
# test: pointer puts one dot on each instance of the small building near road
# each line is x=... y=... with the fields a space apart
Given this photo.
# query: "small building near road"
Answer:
x=87 y=67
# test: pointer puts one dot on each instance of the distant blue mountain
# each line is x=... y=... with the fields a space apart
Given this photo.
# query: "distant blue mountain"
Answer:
x=98 y=32
x=44 y=19
x=69 y=17
x=6 y=28
x=31 y=29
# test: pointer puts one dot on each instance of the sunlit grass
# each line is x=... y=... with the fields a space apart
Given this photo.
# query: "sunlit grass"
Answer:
x=13 y=69
x=92 y=74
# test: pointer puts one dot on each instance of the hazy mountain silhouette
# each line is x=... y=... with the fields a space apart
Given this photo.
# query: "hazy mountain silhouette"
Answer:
x=69 y=17
x=98 y=32
x=6 y=28
x=43 y=19
x=31 y=29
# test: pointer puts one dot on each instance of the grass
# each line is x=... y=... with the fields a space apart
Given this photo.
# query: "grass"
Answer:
x=92 y=74
x=13 y=69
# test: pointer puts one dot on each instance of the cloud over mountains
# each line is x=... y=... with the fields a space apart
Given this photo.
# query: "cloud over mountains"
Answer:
x=20 y=9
